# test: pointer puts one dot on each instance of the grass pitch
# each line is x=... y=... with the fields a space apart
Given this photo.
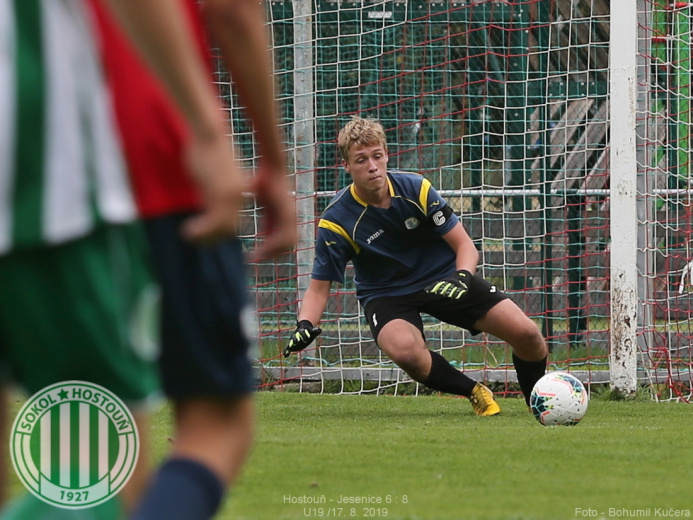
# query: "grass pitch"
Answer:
x=430 y=458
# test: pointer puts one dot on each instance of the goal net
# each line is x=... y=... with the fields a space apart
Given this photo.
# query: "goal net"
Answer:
x=504 y=107
x=664 y=154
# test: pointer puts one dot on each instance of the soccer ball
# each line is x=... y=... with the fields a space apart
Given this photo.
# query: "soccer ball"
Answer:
x=559 y=398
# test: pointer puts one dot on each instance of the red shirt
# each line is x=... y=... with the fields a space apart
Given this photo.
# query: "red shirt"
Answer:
x=152 y=130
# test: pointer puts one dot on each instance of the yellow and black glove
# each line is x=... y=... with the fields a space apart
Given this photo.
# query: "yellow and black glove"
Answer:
x=303 y=336
x=454 y=288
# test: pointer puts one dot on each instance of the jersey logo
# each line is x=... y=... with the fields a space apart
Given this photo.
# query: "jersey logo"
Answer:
x=329 y=243
x=374 y=320
x=439 y=218
x=374 y=236
x=436 y=203
x=411 y=222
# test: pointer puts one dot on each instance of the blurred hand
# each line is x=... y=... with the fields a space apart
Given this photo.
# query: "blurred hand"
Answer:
x=221 y=185
x=272 y=192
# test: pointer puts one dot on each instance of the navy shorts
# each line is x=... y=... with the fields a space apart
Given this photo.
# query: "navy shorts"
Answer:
x=482 y=296
x=205 y=314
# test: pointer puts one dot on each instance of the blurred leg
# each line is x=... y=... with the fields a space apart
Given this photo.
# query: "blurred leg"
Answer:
x=213 y=438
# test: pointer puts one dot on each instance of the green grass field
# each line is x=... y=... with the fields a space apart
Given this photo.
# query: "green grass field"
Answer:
x=451 y=464
x=431 y=458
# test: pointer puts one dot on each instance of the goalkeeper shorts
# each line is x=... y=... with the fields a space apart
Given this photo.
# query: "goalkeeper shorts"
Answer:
x=207 y=323
x=465 y=312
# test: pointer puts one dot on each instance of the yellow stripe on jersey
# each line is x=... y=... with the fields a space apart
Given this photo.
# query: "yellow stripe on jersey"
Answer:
x=423 y=195
x=358 y=199
x=336 y=228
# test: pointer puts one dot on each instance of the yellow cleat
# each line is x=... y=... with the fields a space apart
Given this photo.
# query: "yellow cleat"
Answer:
x=483 y=402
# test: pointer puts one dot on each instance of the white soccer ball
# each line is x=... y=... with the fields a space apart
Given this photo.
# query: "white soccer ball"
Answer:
x=559 y=398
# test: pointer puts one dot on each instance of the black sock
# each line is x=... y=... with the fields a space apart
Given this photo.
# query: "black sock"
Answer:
x=528 y=373
x=182 y=490
x=446 y=378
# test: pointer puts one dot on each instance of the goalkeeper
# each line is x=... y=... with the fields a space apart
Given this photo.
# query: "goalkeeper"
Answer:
x=411 y=255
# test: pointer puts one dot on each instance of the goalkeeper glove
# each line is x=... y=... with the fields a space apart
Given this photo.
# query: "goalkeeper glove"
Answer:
x=454 y=288
x=303 y=336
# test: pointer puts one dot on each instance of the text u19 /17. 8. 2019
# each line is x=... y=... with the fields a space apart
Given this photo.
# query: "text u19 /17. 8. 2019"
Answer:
x=345 y=512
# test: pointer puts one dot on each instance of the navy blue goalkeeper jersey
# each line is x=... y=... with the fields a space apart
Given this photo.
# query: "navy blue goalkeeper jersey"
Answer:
x=395 y=251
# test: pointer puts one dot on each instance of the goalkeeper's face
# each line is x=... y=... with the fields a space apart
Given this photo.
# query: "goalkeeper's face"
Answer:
x=368 y=166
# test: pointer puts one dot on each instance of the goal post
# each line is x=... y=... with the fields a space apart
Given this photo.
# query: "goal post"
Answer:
x=304 y=141
x=560 y=138
x=623 y=54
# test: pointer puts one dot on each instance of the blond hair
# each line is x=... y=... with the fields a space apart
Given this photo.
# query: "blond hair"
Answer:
x=361 y=132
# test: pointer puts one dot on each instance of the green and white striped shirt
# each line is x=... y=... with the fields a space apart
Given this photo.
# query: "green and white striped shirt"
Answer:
x=62 y=169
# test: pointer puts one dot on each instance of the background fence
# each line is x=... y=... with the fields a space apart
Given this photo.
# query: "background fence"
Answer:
x=505 y=107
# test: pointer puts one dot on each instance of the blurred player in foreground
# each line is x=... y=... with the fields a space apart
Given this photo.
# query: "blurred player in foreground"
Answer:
x=73 y=261
x=207 y=322
x=411 y=255
x=71 y=264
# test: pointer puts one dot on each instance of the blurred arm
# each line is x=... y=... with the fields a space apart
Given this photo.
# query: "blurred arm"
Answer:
x=238 y=28
x=160 y=31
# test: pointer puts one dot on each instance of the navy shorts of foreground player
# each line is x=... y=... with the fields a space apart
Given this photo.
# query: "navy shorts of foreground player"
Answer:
x=205 y=314
x=480 y=298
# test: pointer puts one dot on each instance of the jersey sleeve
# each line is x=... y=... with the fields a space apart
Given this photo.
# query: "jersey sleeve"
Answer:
x=441 y=216
x=333 y=250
